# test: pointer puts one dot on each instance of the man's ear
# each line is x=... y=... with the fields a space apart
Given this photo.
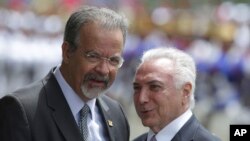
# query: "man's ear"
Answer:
x=187 y=89
x=186 y=92
x=66 y=52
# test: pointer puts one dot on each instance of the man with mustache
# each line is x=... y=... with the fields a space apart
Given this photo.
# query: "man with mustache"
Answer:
x=69 y=103
x=164 y=87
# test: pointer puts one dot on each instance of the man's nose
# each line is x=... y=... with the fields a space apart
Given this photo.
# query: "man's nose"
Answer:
x=103 y=67
x=143 y=96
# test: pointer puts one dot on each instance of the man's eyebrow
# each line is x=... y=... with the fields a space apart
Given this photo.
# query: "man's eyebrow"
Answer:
x=149 y=82
x=155 y=82
x=135 y=83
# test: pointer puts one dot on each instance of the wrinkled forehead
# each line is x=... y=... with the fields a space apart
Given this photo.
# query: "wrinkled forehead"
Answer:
x=156 y=69
x=155 y=65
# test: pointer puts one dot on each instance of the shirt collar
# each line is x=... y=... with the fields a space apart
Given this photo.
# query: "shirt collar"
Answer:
x=74 y=101
x=169 y=131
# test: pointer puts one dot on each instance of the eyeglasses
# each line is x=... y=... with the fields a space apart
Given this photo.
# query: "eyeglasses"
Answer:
x=94 y=57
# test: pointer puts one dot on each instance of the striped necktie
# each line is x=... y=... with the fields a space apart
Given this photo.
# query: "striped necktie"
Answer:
x=83 y=122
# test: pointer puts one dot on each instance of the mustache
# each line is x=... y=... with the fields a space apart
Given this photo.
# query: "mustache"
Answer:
x=97 y=77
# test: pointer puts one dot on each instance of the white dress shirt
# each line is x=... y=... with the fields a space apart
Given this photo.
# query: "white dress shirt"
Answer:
x=95 y=122
x=169 y=131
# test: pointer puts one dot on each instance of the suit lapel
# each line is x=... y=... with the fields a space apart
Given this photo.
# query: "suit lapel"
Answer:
x=187 y=132
x=104 y=108
x=60 y=110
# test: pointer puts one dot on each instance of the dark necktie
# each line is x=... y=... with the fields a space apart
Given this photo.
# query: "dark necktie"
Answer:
x=83 y=122
x=153 y=138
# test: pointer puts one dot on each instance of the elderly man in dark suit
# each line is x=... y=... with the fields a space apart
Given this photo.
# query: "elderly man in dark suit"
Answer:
x=69 y=103
x=164 y=96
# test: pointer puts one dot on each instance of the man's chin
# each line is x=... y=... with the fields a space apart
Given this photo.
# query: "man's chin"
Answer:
x=93 y=93
x=147 y=122
x=92 y=96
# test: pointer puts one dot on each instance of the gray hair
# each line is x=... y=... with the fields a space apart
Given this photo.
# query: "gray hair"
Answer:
x=185 y=69
x=104 y=17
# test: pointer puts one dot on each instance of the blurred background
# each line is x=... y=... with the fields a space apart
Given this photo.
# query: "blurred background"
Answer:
x=215 y=32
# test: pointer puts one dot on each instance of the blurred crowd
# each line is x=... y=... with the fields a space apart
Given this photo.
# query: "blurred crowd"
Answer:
x=215 y=33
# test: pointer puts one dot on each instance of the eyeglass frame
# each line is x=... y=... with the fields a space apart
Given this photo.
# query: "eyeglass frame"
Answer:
x=98 y=58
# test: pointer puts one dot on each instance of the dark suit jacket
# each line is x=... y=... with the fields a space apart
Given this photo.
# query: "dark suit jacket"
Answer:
x=191 y=131
x=39 y=112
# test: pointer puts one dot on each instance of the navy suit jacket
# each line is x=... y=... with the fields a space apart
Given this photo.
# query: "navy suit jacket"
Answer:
x=191 y=131
x=40 y=112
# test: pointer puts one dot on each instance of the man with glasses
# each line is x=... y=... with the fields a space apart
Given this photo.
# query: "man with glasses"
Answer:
x=69 y=103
